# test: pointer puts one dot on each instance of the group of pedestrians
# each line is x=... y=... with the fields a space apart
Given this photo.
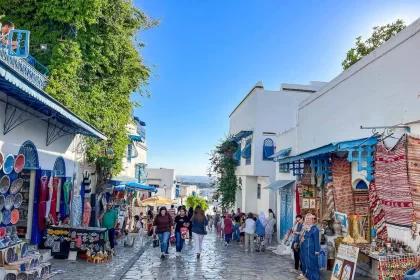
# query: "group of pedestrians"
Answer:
x=306 y=246
x=246 y=229
x=167 y=224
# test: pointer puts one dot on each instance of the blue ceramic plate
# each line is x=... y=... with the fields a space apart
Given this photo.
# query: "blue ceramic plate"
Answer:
x=7 y=217
x=8 y=164
x=18 y=200
x=16 y=186
x=2 y=201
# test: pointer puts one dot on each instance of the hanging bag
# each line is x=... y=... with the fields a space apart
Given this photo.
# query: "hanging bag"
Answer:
x=156 y=242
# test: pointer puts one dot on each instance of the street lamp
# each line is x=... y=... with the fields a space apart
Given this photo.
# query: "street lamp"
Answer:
x=164 y=187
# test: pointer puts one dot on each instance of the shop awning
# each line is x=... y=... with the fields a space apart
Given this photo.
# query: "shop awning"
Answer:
x=246 y=152
x=279 y=184
x=238 y=136
x=135 y=186
x=333 y=147
x=121 y=180
x=136 y=138
x=16 y=83
x=281 y=154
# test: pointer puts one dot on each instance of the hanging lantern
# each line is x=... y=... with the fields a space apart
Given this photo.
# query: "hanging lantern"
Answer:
x=110 y=153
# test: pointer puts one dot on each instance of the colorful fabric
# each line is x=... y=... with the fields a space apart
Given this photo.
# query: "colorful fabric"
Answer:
x=413 y=160
x=343 y=191
x=378 y=213
x=391 y=182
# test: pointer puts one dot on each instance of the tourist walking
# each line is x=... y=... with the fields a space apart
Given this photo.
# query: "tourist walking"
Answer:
x=260 y=231
x=172 y=212
x=249 y=232
x=199 y=223
x=218 y=225
x=190 y=214
x=269 y=228
x=182 y=222
x=236 y=232
x=163 y=227
x=309 y=249
x=297 y=229
x=228 y=229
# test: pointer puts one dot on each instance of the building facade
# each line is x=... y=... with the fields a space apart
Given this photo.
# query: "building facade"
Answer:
x=164 y=180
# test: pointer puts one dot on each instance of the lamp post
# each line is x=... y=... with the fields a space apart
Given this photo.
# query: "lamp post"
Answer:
x=164 y=187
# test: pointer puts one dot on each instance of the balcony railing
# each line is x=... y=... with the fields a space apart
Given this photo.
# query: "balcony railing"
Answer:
x=24 y=66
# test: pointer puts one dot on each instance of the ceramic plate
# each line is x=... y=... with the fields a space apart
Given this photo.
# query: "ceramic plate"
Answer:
x=16 y=186
x=7 y=216
x=2 y=232
x=22 y=276
x=1 y=219
x=2 y=200
x=24 y=250
x=19 y=163
x=4 y=184
x=1 y=160
x=10 y=255
x=9 y=201
x=8 y=164
x=15 y=216
x=18 y=200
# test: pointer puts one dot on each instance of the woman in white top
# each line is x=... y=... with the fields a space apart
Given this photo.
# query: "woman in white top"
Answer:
x=136 y=232
x=249 y=232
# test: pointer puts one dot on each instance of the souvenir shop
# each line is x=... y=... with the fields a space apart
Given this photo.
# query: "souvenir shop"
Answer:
x=364 y=194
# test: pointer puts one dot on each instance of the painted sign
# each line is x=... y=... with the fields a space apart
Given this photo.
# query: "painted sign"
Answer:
x=345 y=263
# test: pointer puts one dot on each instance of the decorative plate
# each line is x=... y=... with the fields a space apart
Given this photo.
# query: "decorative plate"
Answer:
x=15 y=216
x=2 y=201
x=1 y=160
x=16 y=186
x=8 y=164
x=8 y=229
x=24 y=250
x=9 y=201
x=4 y=184
x=2 y=232
x=10 y=255
x=19 y=163
x=18 y=200
x=22 y=276
x=7 y=217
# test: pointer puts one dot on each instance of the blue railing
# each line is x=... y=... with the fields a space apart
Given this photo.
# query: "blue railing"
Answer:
x=28 y=67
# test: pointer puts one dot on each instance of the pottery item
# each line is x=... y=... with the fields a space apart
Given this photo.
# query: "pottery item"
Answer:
x=16 y=186
x=22 y=276
x=10 y=200
x=19 y=163
x=15 y=216
x=2 y=201
x=8 y=164
x=24 y=250
x=2 y=232
x=4 y=184
x=18 y=200
x=7 y=217
x=10 y=255
x=1 y=162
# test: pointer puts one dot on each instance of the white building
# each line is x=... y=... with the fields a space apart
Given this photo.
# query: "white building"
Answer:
x=164 y=180
x=254 y=123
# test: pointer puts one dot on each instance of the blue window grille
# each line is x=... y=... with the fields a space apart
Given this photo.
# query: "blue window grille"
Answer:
x=30 y=152
x=246 y=152
x=284 y=168
x=59 y=167
x=268 y=149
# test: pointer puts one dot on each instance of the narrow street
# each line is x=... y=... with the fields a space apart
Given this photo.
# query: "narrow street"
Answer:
x=217 y=262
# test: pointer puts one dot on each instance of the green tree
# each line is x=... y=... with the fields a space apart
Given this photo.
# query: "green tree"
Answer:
x=194 y=201
x=94 y=62
x=224 y=166
x=379 y=36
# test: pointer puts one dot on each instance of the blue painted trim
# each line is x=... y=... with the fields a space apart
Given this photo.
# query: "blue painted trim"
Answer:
x=136 y=138
x=59 y=167
x=239 y=136
x=246 y=152
x=28 y=149
x=281 y=154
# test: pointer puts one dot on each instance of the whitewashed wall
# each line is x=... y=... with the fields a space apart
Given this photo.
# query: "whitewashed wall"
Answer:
x=380 y=90
x=164 y=176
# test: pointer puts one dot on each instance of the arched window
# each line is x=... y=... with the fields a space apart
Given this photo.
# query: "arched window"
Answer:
x=268 y=149
x=30 y=152
x=60 y=167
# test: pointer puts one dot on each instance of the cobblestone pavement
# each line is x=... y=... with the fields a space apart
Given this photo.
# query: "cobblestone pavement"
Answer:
x=114 y=270
x=217 y=262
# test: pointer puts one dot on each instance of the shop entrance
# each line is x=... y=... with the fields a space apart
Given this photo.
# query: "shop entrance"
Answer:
x=286 y=211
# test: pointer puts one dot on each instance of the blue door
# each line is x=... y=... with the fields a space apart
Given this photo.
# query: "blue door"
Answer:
x=286 y=217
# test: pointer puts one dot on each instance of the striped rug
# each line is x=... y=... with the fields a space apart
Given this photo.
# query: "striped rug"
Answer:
x=377 y=211
x=413 y=159
x=391 y=182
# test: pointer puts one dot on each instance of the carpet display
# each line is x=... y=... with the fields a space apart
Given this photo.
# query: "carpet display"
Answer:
x=391 y=182
x=378 y=213
x=307 y=174
x=343 y=191
x=413 y=160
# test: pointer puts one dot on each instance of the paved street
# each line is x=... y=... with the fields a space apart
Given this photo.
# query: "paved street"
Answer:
x=217 y=262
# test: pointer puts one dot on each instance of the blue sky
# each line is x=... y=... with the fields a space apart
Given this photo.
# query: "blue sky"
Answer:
x=208 y=55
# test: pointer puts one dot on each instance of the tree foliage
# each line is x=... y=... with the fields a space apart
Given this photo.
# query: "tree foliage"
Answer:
x=379 y=36
x=224 y=166
x=94 y=63
x=194 y=201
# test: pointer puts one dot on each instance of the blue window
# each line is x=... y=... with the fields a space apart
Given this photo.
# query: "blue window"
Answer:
x=268 y=149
